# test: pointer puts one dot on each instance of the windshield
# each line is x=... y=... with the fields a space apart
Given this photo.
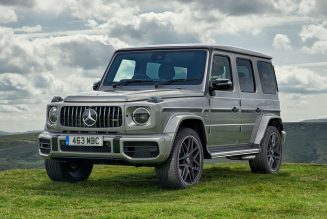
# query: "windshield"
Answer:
x=185 y=67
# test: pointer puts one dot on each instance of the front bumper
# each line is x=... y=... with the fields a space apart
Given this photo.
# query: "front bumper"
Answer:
x=51 y=147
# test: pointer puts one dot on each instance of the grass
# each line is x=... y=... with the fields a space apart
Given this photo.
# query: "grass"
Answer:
x=226 y=190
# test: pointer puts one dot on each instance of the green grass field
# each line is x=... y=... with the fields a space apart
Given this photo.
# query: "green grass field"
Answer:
x=226 y=190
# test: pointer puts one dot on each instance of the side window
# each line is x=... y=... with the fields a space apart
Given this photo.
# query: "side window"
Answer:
x=245 y=75
x=221 y=68
x=267 y=78
x=126 y=70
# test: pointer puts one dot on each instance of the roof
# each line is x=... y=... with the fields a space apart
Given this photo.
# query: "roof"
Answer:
x=199 y=46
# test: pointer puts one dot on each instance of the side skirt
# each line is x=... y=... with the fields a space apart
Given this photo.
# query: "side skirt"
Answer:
x=229 y=151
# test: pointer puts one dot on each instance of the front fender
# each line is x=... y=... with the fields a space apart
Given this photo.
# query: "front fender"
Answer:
x=176 y=119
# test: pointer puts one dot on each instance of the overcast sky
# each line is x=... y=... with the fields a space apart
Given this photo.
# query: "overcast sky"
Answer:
x=58 y=48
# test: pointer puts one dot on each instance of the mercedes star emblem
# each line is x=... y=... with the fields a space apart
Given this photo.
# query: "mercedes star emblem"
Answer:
x=90 y=117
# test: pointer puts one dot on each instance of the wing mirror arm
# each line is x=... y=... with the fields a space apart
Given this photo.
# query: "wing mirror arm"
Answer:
x=96 y=85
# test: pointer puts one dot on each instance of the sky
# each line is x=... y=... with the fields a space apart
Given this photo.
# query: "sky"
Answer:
x=58 y=48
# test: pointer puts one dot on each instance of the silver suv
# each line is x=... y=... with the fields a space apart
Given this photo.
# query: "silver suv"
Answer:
x=169 y=107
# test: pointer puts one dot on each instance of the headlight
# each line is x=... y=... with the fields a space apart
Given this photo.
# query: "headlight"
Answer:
x=141 y=116
x=53 y=115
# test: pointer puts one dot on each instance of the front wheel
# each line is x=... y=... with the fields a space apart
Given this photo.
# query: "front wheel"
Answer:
x=270 y=157
x=70 y=171
x=184 y=166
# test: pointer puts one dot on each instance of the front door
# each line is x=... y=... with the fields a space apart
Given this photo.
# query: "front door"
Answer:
x=224 y=125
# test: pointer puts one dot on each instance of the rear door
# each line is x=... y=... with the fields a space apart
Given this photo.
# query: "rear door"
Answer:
x=224 y=125
x=269 y=88
x=250 y=96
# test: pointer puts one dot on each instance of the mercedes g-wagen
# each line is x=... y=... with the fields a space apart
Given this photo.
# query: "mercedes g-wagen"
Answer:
x=169 y=107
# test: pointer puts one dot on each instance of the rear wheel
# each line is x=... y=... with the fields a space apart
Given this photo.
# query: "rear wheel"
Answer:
x=184 y=166
x=70 y=171
x=270 y=158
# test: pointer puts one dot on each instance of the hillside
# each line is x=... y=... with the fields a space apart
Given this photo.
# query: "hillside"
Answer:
x=3 y=133
x=315 y=120
x=227 y=190
x=305 y=143
x=19 y=151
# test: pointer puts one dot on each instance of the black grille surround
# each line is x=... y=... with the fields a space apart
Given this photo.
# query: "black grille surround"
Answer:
x=107 y=116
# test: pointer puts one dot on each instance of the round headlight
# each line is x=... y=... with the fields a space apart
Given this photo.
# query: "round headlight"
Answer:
x=141 y=116
x=53 y=115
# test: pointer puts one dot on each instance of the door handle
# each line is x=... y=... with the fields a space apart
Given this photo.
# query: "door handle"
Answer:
x=258 y=110
x=235 y=109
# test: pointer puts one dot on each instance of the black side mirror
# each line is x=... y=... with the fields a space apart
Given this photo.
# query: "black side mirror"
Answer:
x=221 y=84
x=96 y=85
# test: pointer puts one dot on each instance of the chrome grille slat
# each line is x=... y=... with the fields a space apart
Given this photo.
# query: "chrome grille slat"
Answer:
x=76 y=115
x=108 y=116
x=100 y=118
x=104 y=117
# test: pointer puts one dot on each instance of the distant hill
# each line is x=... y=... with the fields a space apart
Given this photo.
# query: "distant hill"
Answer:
x=315 y=120
x=19 y=151
x=3 y=133
x=306 y=142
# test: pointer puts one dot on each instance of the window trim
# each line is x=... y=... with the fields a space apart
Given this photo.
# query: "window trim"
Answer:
x=253 y=76
x=230 y=69
x=275 y=79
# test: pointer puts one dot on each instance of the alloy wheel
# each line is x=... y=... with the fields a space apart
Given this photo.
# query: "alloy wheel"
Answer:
x=274 y=151
x=190 y=160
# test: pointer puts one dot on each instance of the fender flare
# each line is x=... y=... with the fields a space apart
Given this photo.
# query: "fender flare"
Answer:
x=176 y=119
x=262 y=126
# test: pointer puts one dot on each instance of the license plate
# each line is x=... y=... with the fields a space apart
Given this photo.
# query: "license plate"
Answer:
x=84 y=140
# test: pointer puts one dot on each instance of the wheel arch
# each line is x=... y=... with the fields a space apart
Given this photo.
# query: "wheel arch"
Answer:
x=265 y=121
x=190 y=121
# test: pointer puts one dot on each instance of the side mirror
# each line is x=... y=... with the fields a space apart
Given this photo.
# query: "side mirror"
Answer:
x=221 y=84
x=96 y=85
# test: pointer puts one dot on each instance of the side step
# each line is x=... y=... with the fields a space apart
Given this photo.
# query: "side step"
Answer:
x=235 y=151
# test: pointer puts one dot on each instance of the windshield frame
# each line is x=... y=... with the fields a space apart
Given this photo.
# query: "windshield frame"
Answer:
x=200 y=86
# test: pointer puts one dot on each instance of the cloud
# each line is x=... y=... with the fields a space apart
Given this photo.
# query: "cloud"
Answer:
x=19 y=3
x=317 y=33
x=17 y=54
x=13 y=108
x=7 y=15
x=297 y=80
x=29 y=29
x=151 y=28
x=281 y=41
x=88 y=52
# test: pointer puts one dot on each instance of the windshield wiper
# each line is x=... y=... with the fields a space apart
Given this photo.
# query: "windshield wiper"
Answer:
x=128 y=81
x=156 y=85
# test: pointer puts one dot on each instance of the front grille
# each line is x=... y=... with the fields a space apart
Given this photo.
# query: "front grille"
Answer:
x=106 y=148
x=107 y=116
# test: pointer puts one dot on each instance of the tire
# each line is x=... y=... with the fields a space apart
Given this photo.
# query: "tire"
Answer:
x=269 y=159
x=184 y=166
x=70 y=171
